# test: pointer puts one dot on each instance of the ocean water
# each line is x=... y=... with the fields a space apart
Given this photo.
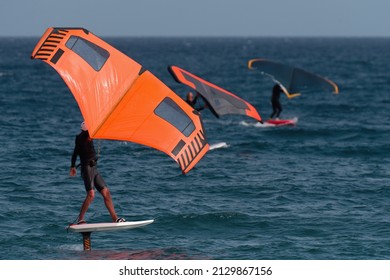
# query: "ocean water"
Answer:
x=319 y=190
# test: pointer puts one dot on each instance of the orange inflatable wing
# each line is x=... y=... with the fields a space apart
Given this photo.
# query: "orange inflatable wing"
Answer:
x=221 y=101
x=120 y=100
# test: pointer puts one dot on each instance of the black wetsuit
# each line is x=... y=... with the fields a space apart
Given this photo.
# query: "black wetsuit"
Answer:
x=85 y=149
x=193 y=102
x=276 y=106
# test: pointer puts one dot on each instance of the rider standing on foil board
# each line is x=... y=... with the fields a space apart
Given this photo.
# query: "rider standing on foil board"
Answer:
x=85 y=149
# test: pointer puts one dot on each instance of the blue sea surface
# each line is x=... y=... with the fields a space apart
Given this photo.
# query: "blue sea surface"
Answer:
x=319 y=190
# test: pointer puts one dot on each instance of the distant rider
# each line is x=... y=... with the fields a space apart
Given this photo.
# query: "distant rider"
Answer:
x=85 y=149
x=191 y=100
x=276 y=106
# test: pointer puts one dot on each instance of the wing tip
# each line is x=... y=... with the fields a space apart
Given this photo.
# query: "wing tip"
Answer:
x=336 y=89
x=171 y=70
x=251 y=61
x=198 y=157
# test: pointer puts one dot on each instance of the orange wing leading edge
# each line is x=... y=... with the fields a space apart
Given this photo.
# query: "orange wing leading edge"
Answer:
x=119 y=99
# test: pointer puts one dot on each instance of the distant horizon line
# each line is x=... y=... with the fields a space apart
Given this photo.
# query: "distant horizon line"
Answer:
x=227 y=36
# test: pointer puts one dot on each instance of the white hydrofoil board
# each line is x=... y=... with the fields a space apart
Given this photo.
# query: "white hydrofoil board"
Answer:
x=108 y=226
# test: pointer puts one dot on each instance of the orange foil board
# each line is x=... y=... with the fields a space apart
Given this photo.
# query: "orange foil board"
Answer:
x=119 y=99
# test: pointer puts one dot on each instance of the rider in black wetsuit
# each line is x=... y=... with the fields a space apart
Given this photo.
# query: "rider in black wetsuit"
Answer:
x=276 y=106
x=192 y=101
x=85 y=149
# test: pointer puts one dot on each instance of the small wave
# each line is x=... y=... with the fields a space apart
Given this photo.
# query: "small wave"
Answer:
x=219 y=145
x=5 y=75
x=205 y=218
x=255 y=124
x=71 y=247
x=244 y=123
